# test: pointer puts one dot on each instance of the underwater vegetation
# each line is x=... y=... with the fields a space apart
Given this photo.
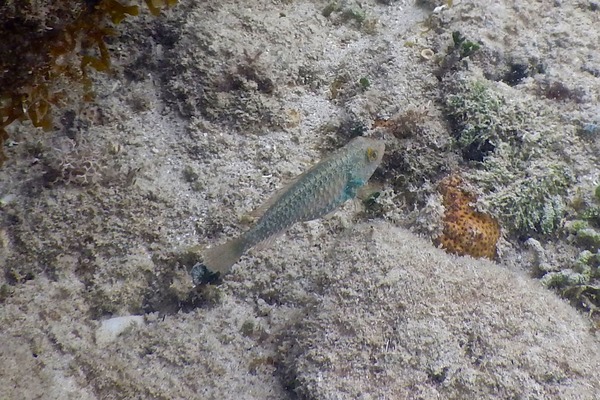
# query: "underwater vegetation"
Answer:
x=464 y=46
x=480 y=119
x=524 y=179
x=48 y=50
x=526 y=160
x=344 y=13
x=580 y=281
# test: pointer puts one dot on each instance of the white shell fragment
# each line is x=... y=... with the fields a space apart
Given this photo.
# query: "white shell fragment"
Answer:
x=111 y=328
x=427 y=54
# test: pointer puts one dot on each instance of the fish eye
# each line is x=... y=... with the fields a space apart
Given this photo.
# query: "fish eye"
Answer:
x=371 y=154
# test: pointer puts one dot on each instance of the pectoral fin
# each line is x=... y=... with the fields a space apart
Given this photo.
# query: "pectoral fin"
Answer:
x=352 y=187
x=367 y=191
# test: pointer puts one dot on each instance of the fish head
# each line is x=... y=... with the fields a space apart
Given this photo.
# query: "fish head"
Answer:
x=369 y=153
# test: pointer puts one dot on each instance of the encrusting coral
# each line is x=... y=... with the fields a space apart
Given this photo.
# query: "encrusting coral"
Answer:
x=466 y=231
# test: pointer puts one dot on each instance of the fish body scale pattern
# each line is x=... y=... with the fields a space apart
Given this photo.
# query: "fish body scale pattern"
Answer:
x=319 y=192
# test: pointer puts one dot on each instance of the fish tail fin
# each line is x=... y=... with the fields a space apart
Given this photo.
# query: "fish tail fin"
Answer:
x=222 y=257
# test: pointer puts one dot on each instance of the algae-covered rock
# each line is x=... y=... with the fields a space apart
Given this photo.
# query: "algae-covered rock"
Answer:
x=402 y=320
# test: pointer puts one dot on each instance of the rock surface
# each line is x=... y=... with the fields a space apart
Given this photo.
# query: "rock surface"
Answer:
x=209 y=109
x=399 y=319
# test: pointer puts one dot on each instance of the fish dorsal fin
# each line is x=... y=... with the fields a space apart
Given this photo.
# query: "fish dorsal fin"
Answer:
x=260 y=211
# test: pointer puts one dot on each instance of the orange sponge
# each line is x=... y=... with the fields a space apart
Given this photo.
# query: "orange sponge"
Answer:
x=466 y=231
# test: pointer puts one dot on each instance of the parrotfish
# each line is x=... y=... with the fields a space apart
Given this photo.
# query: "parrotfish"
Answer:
x=311 y=195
